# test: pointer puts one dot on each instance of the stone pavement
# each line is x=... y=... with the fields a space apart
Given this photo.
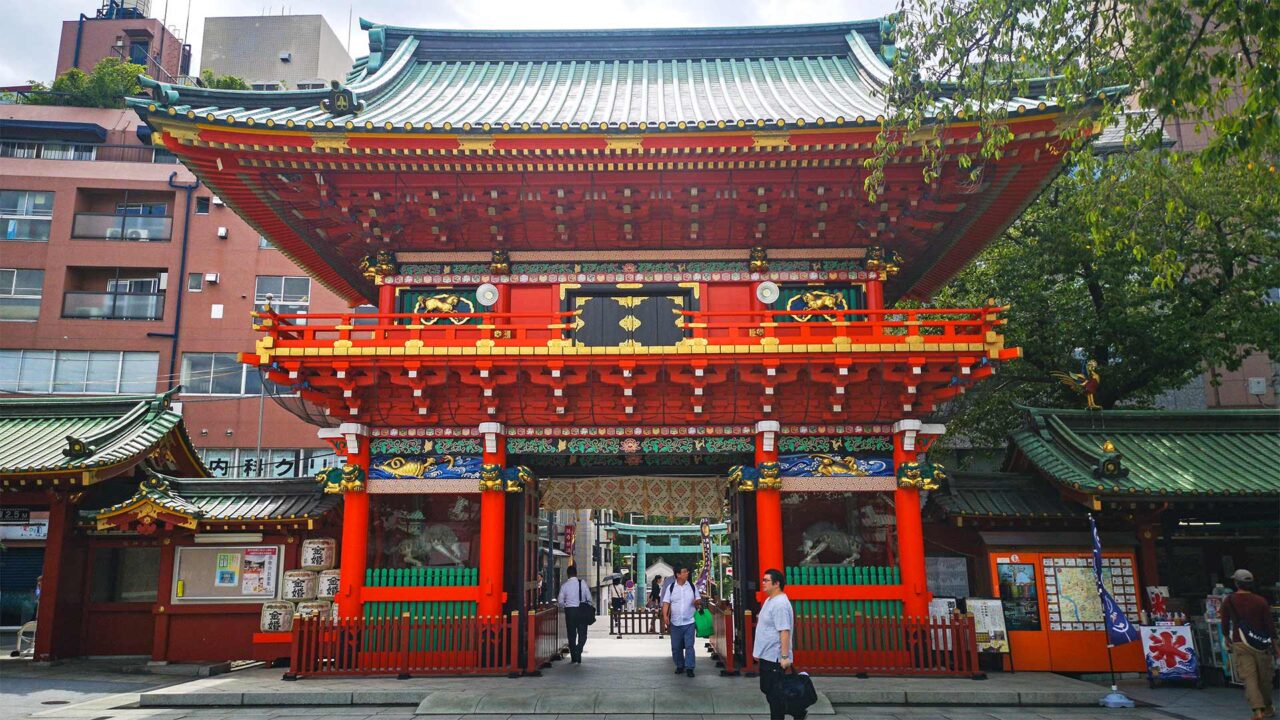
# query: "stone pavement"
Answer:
x=632 y=679
x=629 y=676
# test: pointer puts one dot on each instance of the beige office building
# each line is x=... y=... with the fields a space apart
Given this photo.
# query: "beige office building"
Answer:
x=274 y=52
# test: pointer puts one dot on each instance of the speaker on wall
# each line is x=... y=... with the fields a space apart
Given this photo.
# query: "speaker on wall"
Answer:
x=487 y=294
x=767 y=292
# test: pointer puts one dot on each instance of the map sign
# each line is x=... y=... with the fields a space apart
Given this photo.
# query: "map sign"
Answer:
x=988 y=623
x=1072 y=594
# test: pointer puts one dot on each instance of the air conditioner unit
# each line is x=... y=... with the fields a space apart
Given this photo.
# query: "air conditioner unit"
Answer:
x=286 y=56
x=212 y=277
x=222 y=233
x=216 y=200
x=138 y=235
x=114 y=233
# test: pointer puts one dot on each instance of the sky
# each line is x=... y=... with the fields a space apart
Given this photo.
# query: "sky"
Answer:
x=29 y=37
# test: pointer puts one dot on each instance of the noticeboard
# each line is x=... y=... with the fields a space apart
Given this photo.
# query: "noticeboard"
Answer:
x=988 y=623
x=243 y=573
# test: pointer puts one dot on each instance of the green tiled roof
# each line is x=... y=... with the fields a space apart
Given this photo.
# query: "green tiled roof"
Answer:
x=1005 y=495
x=57 y=435
x=451 y=80
x=1167 y=454
x=228 y=499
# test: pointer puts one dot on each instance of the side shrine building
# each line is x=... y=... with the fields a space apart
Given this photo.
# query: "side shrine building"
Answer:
x=634 y=269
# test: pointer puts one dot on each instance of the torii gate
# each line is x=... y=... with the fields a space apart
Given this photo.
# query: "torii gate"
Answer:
x=641 y=548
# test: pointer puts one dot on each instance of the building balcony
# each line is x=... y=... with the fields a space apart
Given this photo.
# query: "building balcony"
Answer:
x=130 y=228
x=113 y=305
x=530 y=368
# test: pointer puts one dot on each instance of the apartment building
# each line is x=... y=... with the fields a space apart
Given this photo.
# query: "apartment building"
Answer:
x=120 y=273
x=274 y=52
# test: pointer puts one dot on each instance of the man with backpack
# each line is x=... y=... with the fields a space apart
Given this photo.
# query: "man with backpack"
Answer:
x=1251 y=637
x=679 y=601
x=575 y=598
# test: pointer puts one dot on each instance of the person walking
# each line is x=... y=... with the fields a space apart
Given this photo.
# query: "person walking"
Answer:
x=679 y=601
x=617 y=596
x=575 y=598
x=772 y=648
x=1251 y=637
x=655 y=591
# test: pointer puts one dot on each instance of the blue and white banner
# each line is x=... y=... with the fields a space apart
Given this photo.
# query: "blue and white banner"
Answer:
x=1119 y=630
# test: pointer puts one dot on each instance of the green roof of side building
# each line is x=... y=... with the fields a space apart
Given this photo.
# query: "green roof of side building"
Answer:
x=587 y=80
x=213 y=500
x=1153 y=453
x=1001 y=495
x=92 y=437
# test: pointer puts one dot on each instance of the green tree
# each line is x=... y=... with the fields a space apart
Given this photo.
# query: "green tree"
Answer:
x=1072 y=295
x=106 y=86
x=222 y=82
x=1207 y=61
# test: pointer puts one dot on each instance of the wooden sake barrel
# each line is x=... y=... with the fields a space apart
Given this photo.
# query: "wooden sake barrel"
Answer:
x=319 y=553
x=315 y=608
x=277 y=616
x=299 y=585
x=328 y=587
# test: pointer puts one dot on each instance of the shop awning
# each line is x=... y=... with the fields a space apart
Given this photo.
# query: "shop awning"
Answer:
x=1001 y=495
x=80 y=440
x=1152 y=454
x=17 y=129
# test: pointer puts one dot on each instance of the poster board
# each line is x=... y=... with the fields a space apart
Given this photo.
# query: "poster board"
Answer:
x=943 y=608
x=988 y=621
x=947 y=576
x=233 y=573
x=1170 y=652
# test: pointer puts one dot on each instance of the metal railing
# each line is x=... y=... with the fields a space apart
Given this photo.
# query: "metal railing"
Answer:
x=41 y=150
x=888 y=329
x=128 y=228
x=548 y=638
x=112 y=305
x=641 y=621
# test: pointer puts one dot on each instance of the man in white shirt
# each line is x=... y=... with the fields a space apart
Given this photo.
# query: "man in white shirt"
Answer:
x=679 y=601
x=772 y=648
x=575 y=598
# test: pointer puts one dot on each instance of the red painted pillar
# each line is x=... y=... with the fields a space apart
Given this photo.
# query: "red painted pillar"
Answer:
x=493 y=525
x=387 y=299
x=53 y=583
x=875 y=295
x=906 y=507
x=160 y=637
x=355 y=527
x=768 y=501
x=1148 y=566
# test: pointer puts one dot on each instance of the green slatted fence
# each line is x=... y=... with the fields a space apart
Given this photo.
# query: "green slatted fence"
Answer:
x=424 y=639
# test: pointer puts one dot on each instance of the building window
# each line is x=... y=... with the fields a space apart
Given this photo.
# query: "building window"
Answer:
x=25 y=215
x=149 y=209
x=264 y=243
x=104 y=372
x=267 y=87
x=46 y=151
x=195 y=282
x=217 y=374
x=290 y=295
x=202 y=205
x=311 y=86
x=20 y=292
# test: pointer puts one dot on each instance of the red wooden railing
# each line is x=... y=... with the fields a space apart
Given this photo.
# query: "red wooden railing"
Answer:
x=404 y=646
x=939 y=646
x=883 y=327
x=722 y=639
x=547 y=638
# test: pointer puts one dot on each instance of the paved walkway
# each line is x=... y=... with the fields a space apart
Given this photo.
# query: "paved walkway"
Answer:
x=631 y=679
